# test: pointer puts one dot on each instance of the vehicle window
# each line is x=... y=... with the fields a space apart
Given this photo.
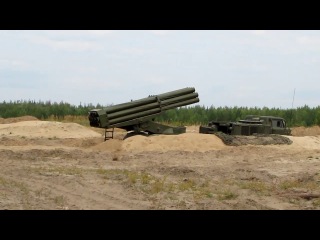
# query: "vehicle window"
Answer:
x=274 y=123
x=277 y=123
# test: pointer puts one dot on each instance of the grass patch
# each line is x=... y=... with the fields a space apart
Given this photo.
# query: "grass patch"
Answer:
x=256 y=186
x=149 y=184
x=158 y=186
x=69 y=171
x=60 y=170
x=113 y=174
x=59 y=200
x=19 y=188
x=289 y=184
x=226 y=195
x=187 y=185
x=39 y=193
x=133 y=177
x=3 y=181
x=146 y=178
x=42 y=192
x=316 y=203
x=13 y=184
x=201 y=193
x=171 y=187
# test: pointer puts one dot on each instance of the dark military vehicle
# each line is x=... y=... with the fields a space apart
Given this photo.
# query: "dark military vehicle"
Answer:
x=252 y=124
x=138 y=116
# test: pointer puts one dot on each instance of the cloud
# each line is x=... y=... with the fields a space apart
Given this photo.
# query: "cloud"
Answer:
x=259 y=32
x=160 y=32
x=13 y=78
x=75 y=33
x=309 y=40
x=12 y=64
x=246 y=65
x=99 y=32
x=70 y=40
x=69 y=45
x=134 y=51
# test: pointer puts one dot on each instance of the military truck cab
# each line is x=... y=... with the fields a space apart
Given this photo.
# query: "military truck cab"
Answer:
x=278 y=125
x=252 y=124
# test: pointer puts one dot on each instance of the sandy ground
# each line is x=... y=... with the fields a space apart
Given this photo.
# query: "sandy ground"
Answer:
x=53 y=165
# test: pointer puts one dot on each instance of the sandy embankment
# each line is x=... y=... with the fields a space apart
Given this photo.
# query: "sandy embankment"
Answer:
x=31 y=128
x=46 y=129
x=189 y=142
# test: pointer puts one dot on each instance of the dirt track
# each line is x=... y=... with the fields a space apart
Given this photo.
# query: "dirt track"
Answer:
x=52 y=165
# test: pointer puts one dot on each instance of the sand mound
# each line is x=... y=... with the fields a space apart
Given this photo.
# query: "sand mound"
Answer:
x=306 y=142
x=111 y=145
x=46 y=129
x=192 y=129
x=18 y=119
x=305 y=131
x=183 y=142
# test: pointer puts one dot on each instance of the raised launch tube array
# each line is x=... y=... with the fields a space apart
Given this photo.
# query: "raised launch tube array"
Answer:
x=123 y=115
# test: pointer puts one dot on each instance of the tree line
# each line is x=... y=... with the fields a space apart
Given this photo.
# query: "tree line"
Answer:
x=300 y=116
x=197 y=114
x=43 y=110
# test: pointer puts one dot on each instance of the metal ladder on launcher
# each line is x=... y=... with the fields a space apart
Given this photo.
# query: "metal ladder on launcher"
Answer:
x=106 y=137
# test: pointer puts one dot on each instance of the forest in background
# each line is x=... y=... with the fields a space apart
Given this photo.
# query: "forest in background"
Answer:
x=188 y=115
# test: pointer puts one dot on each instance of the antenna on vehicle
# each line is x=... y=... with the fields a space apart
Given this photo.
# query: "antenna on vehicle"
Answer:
x=294 y=91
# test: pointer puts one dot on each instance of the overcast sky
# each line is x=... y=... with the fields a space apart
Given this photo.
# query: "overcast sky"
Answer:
x=227 y=68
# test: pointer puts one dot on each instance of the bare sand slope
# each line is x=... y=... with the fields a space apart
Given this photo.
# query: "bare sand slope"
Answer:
x=46 y=129
x=18 y=119
x=305 y=131
x=188 y=142
x=305 y=142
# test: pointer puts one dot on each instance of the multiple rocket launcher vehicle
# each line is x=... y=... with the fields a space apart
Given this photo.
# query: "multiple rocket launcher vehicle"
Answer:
x=139 y=115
